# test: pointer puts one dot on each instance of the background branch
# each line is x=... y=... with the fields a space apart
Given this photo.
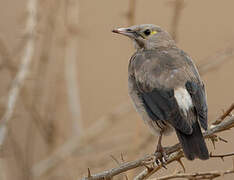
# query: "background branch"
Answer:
x=30 y=31
x=71 y=68
x=178 y=7
x=131 y=14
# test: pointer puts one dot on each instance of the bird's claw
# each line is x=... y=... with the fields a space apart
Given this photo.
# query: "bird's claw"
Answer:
x=161 y=162
x=162 y=159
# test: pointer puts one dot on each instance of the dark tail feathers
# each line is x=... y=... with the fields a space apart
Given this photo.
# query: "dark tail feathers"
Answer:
x=193 y=145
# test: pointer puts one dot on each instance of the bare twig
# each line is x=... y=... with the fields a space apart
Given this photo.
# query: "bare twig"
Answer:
x=221 y=155
x=224 y=115
x=174 y=153
x=17 y=83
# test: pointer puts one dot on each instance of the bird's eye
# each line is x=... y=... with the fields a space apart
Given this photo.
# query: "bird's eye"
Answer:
x=147 y=32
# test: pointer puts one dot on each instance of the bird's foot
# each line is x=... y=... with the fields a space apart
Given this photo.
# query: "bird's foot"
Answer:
x=162 y=156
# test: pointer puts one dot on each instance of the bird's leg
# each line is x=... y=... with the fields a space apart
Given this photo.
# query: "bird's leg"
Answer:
x=161 y=150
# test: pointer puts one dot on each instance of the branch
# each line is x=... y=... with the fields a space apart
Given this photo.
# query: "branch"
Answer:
x=224 y=115
x=200 y=175
x=221 y=155
x=71 y=68
x=18 y=82
x=174 y=153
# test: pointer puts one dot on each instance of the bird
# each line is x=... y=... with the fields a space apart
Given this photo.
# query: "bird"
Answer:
x=166 y=89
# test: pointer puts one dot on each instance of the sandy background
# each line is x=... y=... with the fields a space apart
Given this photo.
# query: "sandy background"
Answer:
x=43 y=121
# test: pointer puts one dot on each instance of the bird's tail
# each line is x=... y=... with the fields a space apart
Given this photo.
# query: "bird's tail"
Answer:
x=193 y=145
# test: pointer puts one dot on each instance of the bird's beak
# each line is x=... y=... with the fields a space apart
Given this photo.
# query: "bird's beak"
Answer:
x=124 y=31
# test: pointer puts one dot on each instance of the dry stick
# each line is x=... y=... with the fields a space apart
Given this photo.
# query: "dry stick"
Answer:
x=17 y=83
x=224 y=115
x=221 y=155
x=71 y=69
x=174 y=153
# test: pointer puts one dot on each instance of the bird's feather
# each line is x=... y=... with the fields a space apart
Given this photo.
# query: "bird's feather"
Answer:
x=194 y=144
x=197 y=92
x=162 y=105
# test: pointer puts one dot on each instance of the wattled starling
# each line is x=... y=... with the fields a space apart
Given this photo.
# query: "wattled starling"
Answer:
x=166 y=89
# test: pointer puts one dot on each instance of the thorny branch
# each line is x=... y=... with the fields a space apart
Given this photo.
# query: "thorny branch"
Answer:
x=221 y=155
x=174 y=154
x=197 y=176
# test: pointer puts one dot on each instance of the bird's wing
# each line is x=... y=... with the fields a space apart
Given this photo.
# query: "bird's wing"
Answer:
x=169 y=88
x=196 y=89
x=197 y=92
x=161 y=105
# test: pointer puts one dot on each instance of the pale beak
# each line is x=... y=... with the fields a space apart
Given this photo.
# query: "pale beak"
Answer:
x=125 y=31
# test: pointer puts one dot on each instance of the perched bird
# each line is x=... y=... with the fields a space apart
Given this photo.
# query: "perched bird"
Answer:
x=166 y=89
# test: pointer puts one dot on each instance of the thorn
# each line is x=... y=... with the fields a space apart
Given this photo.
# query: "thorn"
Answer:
x=112 y=157
x=224 y=140
x=223 y=111
x=126 y=177
x=211 y=154
x=222 y=158
x=122 y=158
x=181 y=164
x=213 y=142
x=89 y=173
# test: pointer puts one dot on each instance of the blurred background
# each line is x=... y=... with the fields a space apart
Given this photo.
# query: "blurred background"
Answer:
x=64 y=103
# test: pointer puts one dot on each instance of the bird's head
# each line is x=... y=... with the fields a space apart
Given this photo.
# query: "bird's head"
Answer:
x=147 y=36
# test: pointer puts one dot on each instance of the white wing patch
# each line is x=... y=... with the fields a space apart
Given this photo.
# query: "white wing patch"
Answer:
x=183 y=99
